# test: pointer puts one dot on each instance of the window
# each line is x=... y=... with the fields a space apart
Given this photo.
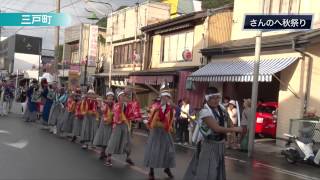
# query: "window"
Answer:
x=173 y=46
x=123 y=53
x=75 y=57
x=281 y=6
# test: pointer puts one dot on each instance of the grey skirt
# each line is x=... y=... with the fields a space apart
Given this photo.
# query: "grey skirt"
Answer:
x=77 y=126
x=103 y=134
x=159 y=151
x=31 y=116
x=55 y=114
x=209 y=164
x=26 y=114
x=60 y=119
x=68 y=123
x=89 y=128
x=120 y=140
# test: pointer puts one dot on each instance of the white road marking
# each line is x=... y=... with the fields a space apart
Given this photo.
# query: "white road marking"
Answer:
x=4 y=132
x=19 y=145
x=235 y=159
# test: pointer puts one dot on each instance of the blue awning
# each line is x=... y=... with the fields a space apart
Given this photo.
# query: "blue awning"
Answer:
x=240 y=70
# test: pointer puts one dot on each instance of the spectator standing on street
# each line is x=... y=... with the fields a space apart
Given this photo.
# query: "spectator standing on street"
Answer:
x=233 y=114
x=244 y=124
x=226 y=101
x=177 y=119
x=208 y=162
x=6 y=96
x=47 y=94
x=32 y=96
x=183 y=122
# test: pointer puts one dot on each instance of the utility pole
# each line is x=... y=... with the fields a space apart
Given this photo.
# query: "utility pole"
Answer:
x=254 y=96
x=255 y=88
x=85 y=72
x=111 y=45
x=57 y=35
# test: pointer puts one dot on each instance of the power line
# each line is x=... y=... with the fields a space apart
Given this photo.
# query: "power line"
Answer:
x=77 y=15
x=65 y=6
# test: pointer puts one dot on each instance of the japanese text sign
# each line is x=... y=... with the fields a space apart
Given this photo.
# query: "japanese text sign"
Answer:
x=278 y=22
x=34 y=19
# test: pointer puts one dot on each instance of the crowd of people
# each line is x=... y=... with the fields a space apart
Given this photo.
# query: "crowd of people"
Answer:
x=106 y=122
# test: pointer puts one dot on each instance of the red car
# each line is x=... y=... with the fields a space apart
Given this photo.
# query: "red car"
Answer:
x=266 y=123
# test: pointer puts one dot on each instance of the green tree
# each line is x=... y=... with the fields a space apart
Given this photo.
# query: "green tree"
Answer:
x=210 y=4
x=102 y=22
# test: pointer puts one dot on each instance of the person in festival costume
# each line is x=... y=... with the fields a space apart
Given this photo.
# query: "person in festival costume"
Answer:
x=68 y=116
x=48 y=95
x=78 y=116
x=91 y=119
x=55 y=108
x=62 y=99
x=160 y=151
x=63 y=113
x=120 y=140
x=34 y=97
x=214 y=121
x=104 y=131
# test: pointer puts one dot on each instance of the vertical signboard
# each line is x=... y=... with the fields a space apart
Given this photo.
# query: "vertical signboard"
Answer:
x=93 y=45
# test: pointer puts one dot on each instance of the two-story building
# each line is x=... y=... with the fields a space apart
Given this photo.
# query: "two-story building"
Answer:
x=289 y=68
x=173 y=52
x=125 y=41
x=83 y=53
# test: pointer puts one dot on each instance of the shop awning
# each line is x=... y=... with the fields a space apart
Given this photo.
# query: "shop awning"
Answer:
x=239 y=70
x=113 y=74
x=151 y=80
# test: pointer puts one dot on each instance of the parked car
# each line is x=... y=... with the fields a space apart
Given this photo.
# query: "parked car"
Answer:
x=266 y=119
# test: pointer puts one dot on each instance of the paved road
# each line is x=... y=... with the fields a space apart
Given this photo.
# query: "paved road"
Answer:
x=30 y=153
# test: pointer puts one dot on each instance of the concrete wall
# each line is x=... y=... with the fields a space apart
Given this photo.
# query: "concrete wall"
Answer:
x=255 y=7
x=313 y=97
x=290 y=106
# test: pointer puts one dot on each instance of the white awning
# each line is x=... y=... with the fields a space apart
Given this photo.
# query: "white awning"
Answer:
x=240 y=70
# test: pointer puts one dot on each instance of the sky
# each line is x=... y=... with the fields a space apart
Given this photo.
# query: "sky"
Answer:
x=75 y=8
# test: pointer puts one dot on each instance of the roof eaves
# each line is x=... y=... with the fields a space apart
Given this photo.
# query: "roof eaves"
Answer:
x=175 y=21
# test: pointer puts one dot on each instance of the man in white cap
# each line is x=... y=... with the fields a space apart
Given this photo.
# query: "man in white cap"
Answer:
x=160 y=124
